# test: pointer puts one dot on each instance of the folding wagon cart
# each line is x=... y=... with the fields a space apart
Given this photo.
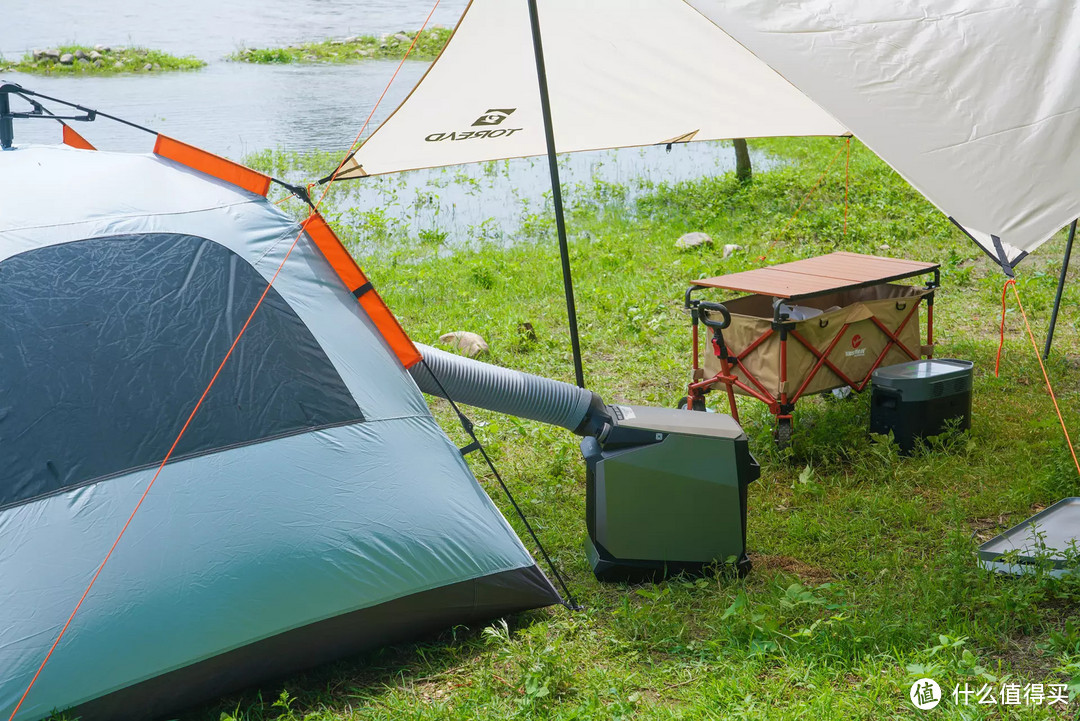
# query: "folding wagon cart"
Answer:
x=809 y=326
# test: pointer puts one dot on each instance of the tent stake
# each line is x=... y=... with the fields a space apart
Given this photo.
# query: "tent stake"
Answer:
x=556 y=193
x=1060 y=289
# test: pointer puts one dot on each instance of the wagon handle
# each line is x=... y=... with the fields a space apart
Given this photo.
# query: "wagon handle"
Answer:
x=716 y=308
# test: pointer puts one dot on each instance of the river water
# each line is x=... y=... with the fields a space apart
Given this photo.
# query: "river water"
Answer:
x=236 y=108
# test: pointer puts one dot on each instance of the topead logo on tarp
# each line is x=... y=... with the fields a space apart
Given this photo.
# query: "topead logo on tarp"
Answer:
x=491 y=116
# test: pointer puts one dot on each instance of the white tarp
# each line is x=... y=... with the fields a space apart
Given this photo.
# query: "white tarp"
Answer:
x=977 y=105
x=620 y=73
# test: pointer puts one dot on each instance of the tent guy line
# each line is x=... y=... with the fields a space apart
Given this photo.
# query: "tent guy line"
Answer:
x=806 y=198
x=157 y=473
x=469 y=428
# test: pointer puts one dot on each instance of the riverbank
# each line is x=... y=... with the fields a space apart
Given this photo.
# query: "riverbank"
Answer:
x=865 y=572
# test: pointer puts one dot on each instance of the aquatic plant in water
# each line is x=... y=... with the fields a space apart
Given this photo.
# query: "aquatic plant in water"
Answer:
x=99 y=60
x=351 y=49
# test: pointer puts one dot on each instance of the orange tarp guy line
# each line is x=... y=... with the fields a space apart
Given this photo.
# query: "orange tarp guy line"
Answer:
x=847 y=182
x=1038 y=357
x=213 y=380
x=806 y=198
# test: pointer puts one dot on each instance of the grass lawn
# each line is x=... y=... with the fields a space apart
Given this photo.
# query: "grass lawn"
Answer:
x=351 y=49
x=864 y=575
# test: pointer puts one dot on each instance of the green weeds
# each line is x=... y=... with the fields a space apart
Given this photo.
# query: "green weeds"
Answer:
x=351 y=49
x=100 y=60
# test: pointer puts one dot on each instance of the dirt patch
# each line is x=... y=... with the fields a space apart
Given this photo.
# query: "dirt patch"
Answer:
x=807 y=572
x=988 y=527
x=1028 y=662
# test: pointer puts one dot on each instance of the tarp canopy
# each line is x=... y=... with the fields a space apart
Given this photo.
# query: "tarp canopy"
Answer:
x=977 y=105
x=620 y=73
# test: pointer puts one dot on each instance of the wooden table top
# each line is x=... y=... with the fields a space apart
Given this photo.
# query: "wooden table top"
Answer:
x=814 y=276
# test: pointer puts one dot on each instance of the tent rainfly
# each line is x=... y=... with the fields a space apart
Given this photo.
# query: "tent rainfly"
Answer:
x=313 y=508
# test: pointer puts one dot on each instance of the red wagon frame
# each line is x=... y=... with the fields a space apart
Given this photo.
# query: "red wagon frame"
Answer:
x=790 y=283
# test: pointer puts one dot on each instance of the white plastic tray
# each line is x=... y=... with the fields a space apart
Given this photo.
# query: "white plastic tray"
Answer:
x=1048 y=535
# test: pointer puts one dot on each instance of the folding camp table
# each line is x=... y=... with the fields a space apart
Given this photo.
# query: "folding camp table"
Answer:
x=843 y=311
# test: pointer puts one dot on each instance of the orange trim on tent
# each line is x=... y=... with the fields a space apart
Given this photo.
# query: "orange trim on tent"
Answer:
x=74 y=140
x=215 y=165
x=355 y=280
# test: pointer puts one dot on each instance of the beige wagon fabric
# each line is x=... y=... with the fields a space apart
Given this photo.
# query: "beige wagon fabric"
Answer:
x=854 y=354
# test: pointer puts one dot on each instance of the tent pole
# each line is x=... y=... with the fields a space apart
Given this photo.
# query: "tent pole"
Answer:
x=556 y=193
x=1060 y=289
x=7 y=134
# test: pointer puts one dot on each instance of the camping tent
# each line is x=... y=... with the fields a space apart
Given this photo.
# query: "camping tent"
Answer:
x=312 y=509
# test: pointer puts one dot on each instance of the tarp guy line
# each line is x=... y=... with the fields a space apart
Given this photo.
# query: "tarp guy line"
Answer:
x=1038 y=357
x=213 y=380
x=806 y=197
x=847 y=182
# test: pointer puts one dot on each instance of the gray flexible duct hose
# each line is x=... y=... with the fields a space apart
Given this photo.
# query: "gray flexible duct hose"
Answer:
x=505 y=391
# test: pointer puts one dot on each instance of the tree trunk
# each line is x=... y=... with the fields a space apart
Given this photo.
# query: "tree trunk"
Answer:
x=743 y=171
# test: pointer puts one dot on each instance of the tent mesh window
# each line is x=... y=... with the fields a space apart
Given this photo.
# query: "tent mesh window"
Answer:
x=106 y=344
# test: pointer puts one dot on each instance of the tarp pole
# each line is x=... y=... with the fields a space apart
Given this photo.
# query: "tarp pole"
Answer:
x=556 y=193
x=7 y=134
x=1060 y=290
